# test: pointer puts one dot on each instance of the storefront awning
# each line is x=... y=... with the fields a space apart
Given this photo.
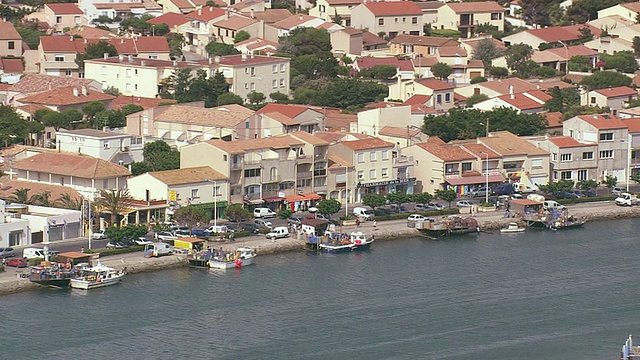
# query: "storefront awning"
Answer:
x=312 y=196
x=294 y=198
x=273 y=199
x=469 y=180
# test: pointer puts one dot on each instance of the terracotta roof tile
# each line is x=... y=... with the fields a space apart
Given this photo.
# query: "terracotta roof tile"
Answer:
x=396 y=131
x=506 y=143
x=502 y=86
x=242 y=146
x=435 y=84
x=81 y=166
x=393 y=8
x=8 y=31
x=451 y=51
x=146 y=103
x=522 y=102
x=293 y=21
x=221 y=116
x=370 y=39
x=603 y=121
x=309 y=138
x=8 y=188
x=11 y=66
x=476 y=7
x=473 y=43
x=281 y=118
x=237 y=60
x=123 y=45
x=206 y=13
x=447 y=152
x=187 y=175
x=171 y=19
x=235 y=23
x=66 y=96
x=339 y=121
x=289 y=110
x=369 y=143
x=633 y=124
x=553 y=118
x=64 y=9
x=567 y=142
x=344 y=2
x=128 y=6
x=89 y=32
x=417 y=99
x=270 y=16
x=617 y=91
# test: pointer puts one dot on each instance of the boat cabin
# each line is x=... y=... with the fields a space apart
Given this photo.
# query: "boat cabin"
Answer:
x=189 y=243
x=74 y=257
x=525 y=206
x=316 y=227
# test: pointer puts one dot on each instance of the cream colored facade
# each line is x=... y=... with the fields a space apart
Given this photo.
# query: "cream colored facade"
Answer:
x=572 y=162
x=619 y=10
x=326 y=11
x=347 y=42
x=467 y=21
x=391 y=25
x=10 y=40
x=59 y=22
x=264 y=74
x=609 y=45
x=615 y=103
x=370 y=122
x=148 y=188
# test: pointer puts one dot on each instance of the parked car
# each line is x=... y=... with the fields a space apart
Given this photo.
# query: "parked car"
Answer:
x=381 y=212
x=585 y=193
x=626 y=199
x=141 y=241
x=166 y=236
x=7 y=252
x=251 y=227
x=481 y=192
x=516 y=196
x=436 y=206
x=398 y=209
x=323 y=217
x=264 y=223
x=98 y=235
x=116 y=245
x=18 y=262
x=295 y=220
x=552 y=205
x=416 y=217
x=278 y=232
x=464 y=203
x=617 y=190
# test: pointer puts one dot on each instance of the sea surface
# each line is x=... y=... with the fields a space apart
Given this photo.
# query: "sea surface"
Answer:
x=569 y=294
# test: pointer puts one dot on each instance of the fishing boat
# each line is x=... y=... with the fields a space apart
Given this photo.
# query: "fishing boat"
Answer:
x=552 y=220
x=54 y=275
x=91 y=277
x=241 y=257
x=512 y=228
x=447 y=226
x=339 y=242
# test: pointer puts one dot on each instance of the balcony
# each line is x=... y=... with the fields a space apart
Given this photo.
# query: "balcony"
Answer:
x=304 y=174
x=305 y=159
x=236 y=166
x=403 y=161
x=66 y=65
x=198 y=30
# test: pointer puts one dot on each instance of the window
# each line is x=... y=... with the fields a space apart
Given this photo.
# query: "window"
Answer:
x=135 y=71
x=246 y=125
x=253 y=71
x=11 y=45
x=360 y=174
x=246 y=86
x=606 y=136
x=62 y=180
x=360 y=157
x=582 y=174
x=105 y=183
x=385 y=154
x=536 y=163
x=194 y=193
x=439 y=98
x=246 y=71
x=135 y=87
x=128 y=87
x=282 y=68
x=466 y=167
x=274 y=83
x=606 y=154
x=447 y=97
x=449 y=169
x=68 y=73
x=372 y=156
x=274 y=68
x=565 y=157
x=593 y=99
x=281 y=82
x=372 y=174
x=565 y=175
x=216 y=191
x=103 y=70
x=555 y=157
x=105 y=144
x=381 y=22
x=587 y=155
x=58 y=19
x=253 y=86
x=322 y=8
x=76 y=19
x=252 y=172
x=385 y=172
x=414 y=20
x=59 y=58
x=496 y=16
x=128 y=72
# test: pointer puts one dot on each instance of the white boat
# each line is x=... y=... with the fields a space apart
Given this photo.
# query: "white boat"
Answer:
x=354 y=241
x=360 y=241
x=228 y=260
x=512 y=228
x=91 y=277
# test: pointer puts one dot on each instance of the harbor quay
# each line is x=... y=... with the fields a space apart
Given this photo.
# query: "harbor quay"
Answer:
x=14 y=280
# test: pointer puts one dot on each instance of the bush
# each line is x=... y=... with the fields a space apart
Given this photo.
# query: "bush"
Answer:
x=130 y=249
x=478 y=79
x=587 y=199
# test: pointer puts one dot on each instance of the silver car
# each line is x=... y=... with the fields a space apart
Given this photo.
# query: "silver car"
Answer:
x=7 y=252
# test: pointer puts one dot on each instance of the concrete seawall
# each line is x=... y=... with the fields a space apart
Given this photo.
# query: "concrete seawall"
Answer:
x=388 y=230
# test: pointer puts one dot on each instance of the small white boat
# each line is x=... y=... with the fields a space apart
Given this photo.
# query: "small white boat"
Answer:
x=512 y=228
x=91 y=277
x=354 y=241
x=228 y=260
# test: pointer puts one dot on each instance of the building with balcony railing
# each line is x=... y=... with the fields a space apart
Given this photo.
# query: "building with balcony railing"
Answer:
x=114 y=147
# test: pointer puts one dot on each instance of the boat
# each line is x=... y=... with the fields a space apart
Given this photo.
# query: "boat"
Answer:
x=552 y=220
x=512 y=228
x=341 y=242
x=241 y=257
x=447 y=226
x=629 y=350
x=54 y=275
x=91 y=277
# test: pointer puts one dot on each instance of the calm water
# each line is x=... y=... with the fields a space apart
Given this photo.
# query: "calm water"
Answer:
x=537 y=295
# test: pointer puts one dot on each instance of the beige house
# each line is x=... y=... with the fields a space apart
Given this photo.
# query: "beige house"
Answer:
x=276 y=30
x=571 y=159
x=530 y=102
x=558 y=58
x=611 y=136
x=615 y=98
x=327 y=10
x=555 y=35
x=348 y=41
x=441 y=93
x=285 y=118
x=10 y=40
x=390 y=18
x=61 y=16
x=496 y=88
x=418 y=46
x=628 y=11
x=463 y=69
x=609 y=44
x=466 y=16
x=225 y=30
x=634 y=135
x=164 y=191
x=180 y=125
x=256 y=45
x=198 y=32
x=66 y=98
x=85 y=174
x=371 y=122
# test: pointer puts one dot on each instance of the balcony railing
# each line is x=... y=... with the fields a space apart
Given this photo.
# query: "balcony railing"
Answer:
x=198 y=30
x=304 y=174
x=403 y=161
x=48 y=65
x=236 y=166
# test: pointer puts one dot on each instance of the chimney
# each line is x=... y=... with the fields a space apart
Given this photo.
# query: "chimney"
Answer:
x=130 y=58
x=175 y=63
x=227 y=14
x=142 y=63
x=252 y=16
x=252 y=54
x=70 y=38
x=106 y=55
x=120 y=57
x=210 y=60
x=86 y=41
x=200 y=11
x=216 y=59
x=84 y=90
x=122 y=41
x=210 y=8
x=511 y=94
x=75 y=92
x=301 y=17
x=244 y=57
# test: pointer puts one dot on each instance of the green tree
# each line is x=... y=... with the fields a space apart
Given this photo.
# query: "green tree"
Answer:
x=13 y=127
x=448 y=195
x=65 y=201
x=310 y=50
x=636 y=45
x=561 y=98
x=478 y=79
x=486 y=51
x=241 y=36
x=219 y=49
x=517 y=55
x=345 y=93
x=486 y=28
x=30 y=35
x=543 y=72
x=140 y=167
x=175 y=42
x=20 y=196
x=422 y=198
x=373 y=200
x=56 y=120
x=42 y=198
x=182 y=86
x=476 y=98
x=329 y=206
x=605 y=79
x=255 y=97
x=587 y=185
x=279 y=97
x=96 y=51
x=131 y=108
x=126 y=234
x=441 y=70
x=499 y=72
x=623 y=61
x=580 y=63
x=229 y=98
x=382 y=72
x=93 y=108
x=237 y=213
x=557 y=188
x=116 y=202
x=190 y=216
x=398 y=198
x=610 y=181
x=160 y=156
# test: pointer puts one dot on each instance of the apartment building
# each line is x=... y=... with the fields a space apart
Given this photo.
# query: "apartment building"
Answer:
x=198 y=32
x=571 y=159
x=390 y=18
x=466 y=16
x=114 y=147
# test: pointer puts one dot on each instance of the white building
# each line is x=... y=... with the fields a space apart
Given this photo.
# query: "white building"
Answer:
x=114 y=147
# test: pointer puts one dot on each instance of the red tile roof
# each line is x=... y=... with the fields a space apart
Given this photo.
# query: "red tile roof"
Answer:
x=8 y=188
x=502 y=86
x=344 y=2
x=562 y=33
x=633 y=124
x=603 y=121
x=11 y=66
x=369 y=143
x=270 y=16
x=418 y=40
x=370 y=39
x=617 y=91
x=450 y=51
x=64 y=9
x=417 y=99
x=393 y=8
x=65 y=96
x=238 y=60
x=447 y=152
x=399 y=131
x=286 y=109
x=81 y=166
x=523 y=102
x=435 y=84
x=476 y=7
x=553 y=118
x=171 y=19
x=206 y=14
x=281 y=118
x=235 y=23
x=8 y=31
x=88 y=32
x=124 y=46
x=567 y=142
x=33 y=83
x=293 y=21
x=146 y=103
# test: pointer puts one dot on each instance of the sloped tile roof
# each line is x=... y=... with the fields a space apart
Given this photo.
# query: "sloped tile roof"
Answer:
x=124 y=46
x=235 y=22
x=521 y=101
x=393 y=8
x=171 y=19
x=187 y=175
x=281 y=118
x=450 y=51
x=241 y=146
x=473 y=43
x=238 y=60
x=502 y=86
x=423 y=40
x=289 y=110
x=417 y=99
x=369 y=39
x=89 y=32
x=553 y=118
x=64 y=9
x=11 y=66
x=476 y=7
x=339 y=121
x=146 y=103
x=401 y=132
x=65 y=96
x=633 y=124
x=81 y=166
x=7 y=189
x=206 y=14
x=506 y=143
x=221 y=116
x=617 y=91
x=603 y=121
x=435 y=84
x=8 y=31
x=293 y=21
x=309 y=138
x=447 y=152
x=565 y=142
x=270 y=16
x=344 y=2
x=369 y=143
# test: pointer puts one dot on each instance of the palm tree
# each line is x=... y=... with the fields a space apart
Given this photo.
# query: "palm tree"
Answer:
x=42 y=199
x=115 y=202
x=65 y=201
x=20 y=196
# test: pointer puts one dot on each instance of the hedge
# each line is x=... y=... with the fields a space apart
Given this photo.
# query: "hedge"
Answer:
x=403 y=216
x=587 y=199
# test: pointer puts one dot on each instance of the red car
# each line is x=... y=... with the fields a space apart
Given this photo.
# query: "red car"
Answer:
x=18 y=262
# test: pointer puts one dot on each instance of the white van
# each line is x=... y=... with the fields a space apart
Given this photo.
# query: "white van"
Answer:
x=535 y=197
x=32 y=253
x=278 y=232
x=157 y=249
x=263 y=213
x=363 y=213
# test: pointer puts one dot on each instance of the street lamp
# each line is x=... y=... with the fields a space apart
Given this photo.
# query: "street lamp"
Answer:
x=486 y=177
x=486 y=128
x=215 y=202
x=566 y=50
x=628 y=160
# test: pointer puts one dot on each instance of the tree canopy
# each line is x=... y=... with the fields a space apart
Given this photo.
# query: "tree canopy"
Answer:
x=181 y=85
x=605 y=79
x=623 y=61
x=345 y=93
x=441 y=70
x=562 y=98
x=486 y=51
x=382 y=72
x=96 y=51
x=466 y=124
x=517 y=55
x=219 y=49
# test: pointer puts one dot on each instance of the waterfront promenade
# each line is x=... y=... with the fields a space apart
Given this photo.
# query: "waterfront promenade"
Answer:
x=385 y=230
